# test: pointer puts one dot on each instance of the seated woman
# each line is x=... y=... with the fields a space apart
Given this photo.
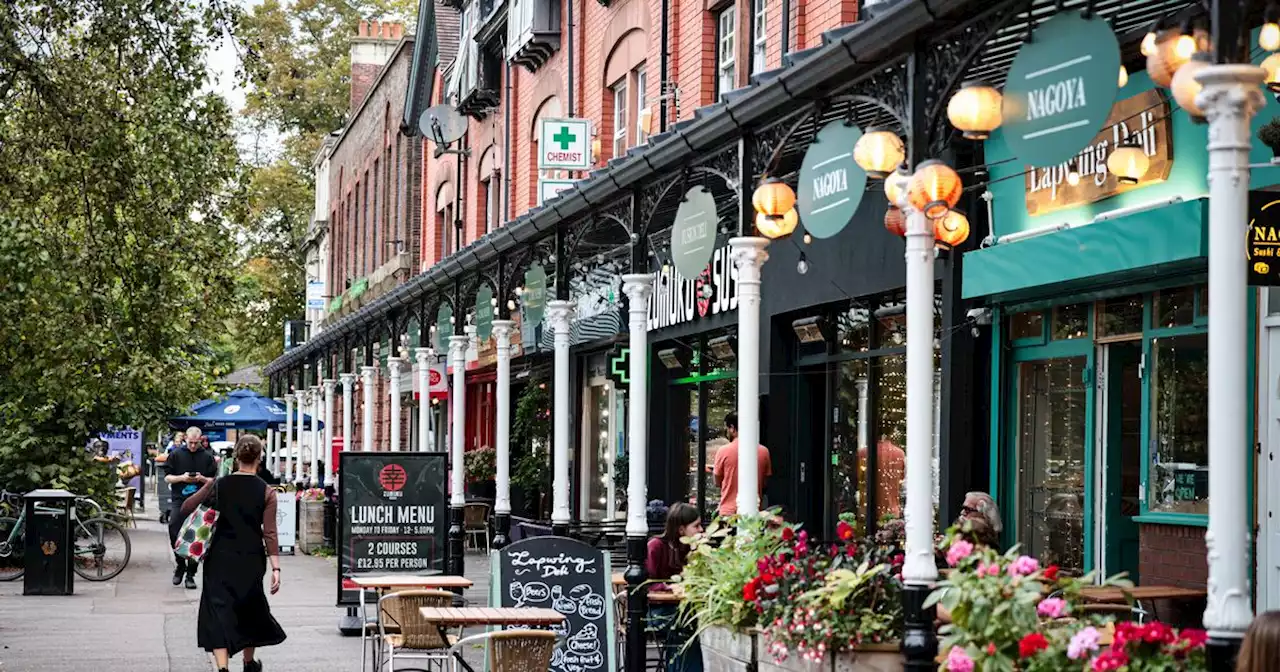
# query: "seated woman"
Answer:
x=980 y=509
x=665 y=559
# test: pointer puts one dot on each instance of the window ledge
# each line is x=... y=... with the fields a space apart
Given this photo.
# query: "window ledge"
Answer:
x=1187 y=519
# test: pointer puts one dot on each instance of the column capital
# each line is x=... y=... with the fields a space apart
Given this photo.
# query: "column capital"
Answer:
x=637 y=287
x=393 y=366
x=560 y=314
x=748 y=254
x=329 y=384
x=458 y=346
x=347 y=378
x=421 y=355
x=367 y=370
x=503 y=327
x=1230 y=89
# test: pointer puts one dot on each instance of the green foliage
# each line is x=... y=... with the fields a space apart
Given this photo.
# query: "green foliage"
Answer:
x=481 y=464
x=1269 y=134
x=721 y=563
x=532 y=437
x=115 y=162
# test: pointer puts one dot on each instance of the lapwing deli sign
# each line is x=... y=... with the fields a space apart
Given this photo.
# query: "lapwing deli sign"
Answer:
x=1145 y=118
x=1060 y=88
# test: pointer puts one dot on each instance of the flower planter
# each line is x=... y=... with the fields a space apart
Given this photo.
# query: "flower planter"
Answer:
x=310 y=525
x=867 y=658
x=725 y=650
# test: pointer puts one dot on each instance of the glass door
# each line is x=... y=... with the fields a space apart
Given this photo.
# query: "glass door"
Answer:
x=602 y=445
x=1119 y=413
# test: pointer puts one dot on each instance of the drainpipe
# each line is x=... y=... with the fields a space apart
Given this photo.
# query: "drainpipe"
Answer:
x=786 y=27
x=506 y=145
x=664 y=61
x=569 y=22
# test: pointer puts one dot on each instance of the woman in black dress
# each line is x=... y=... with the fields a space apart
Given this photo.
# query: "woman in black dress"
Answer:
x=234 y=615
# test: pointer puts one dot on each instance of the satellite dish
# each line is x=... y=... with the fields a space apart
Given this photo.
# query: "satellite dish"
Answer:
x=442 y=124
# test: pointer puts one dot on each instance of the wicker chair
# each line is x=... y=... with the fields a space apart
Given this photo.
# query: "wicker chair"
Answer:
x=417 y=638
x=514 y=650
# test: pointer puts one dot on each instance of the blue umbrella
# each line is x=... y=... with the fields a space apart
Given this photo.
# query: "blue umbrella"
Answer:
x=241 y=409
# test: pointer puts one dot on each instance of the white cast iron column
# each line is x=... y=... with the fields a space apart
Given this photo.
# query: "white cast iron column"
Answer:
x=560 y=315
x=638 y=287
x=502 y=330
x=748 y=257
x=394 y=364
x=315 y=436
x=329 y=467
x=366 y=418
x=422 y=356
x=348 y=411
x=1230 y=98
x=288 y=437
x=296 y=477
x=457 y=498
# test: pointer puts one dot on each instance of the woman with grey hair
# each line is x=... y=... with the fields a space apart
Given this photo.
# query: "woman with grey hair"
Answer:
x=980 y=509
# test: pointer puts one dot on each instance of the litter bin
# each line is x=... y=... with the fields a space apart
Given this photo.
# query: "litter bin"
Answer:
x=50 y=549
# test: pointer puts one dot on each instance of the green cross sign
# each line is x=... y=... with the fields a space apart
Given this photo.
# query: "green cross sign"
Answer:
x=563 y=137
x=620 y=365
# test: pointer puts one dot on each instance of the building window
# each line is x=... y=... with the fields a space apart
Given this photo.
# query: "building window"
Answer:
x=726 y=47
x=489 y=191
x=620 y=104
x=759 y=36
x=642 y=108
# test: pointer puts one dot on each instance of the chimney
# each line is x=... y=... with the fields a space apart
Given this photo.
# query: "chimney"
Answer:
x=371 y=48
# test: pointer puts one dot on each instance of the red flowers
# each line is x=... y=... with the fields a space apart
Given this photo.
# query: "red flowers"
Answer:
x=844 y=531
x=1194 y=639
x=1050 y=573
x=1032 y=644
x=749 y=591
x=1109 y=660
x=991 y=648
x=788 y=534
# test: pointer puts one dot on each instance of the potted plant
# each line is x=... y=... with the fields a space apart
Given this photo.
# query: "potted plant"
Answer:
x=1269 y=135
x=310 y=520
x=481 y=466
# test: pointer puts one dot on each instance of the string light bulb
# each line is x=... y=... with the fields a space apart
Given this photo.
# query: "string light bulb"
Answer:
x=1073 y=174
x=802 y=266
x=1124 y=77
x=1149 y=43
x=1269 y=35
x=808 y=239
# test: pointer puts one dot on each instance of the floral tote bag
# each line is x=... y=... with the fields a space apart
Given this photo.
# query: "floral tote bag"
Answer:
x=197 y=531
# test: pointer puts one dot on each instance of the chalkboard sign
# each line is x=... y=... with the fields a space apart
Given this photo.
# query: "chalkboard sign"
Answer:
x=1190 y=485
x=574 y=579
x=392 y=517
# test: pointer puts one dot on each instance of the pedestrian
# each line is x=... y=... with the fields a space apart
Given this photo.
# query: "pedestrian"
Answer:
x=185 y=467
x=726 y=468
x=176 y=443
x=665 y=558
x=980 y=509
x=234 y=614
x=1260 y=651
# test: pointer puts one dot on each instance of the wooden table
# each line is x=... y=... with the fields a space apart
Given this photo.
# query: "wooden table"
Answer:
x=446 y=617
x=1115 y=595
x=390 y=582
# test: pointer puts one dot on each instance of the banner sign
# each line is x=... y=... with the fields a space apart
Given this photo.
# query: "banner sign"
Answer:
x=1060 y=88
x=574 y=579
x=676 y=299
x=564 y=144
x=287 y=520
x=533 y=300
x=831 y=182
x=1262 y=249
x=549 y=189
x=391 y=516
x=484 y=312
x=693 y=235
x=444 y=327
x=1145 y=118
x=125 y=444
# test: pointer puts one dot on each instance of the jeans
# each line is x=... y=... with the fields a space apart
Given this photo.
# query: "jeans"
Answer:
x=176 y=520
x=680 y=658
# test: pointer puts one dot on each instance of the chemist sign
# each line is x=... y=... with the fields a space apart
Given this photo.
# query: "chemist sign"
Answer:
x=564 y=144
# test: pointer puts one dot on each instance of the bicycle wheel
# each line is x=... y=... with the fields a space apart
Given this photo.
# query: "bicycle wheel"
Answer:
x=102 y=549
x=12 y=550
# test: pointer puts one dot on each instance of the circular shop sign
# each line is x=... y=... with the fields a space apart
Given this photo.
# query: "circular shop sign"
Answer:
x=693 y=236
x=831 y=183
x=1060 y=89
x=443 y=328
x=534 y=297
x=484 y=312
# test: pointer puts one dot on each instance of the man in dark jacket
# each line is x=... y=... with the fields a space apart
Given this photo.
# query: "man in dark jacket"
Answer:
x=184 y=466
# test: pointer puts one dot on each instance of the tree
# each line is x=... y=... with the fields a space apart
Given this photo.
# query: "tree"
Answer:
x=114 y=253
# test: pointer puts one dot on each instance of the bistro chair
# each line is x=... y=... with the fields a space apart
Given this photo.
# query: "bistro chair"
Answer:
x=125 y=500
x=514 y=650
x=475 y=518
x=417 y=638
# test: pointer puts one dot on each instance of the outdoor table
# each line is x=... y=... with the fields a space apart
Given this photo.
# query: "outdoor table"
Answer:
x=1140 y=594
x=389 y=582
x=461 y=617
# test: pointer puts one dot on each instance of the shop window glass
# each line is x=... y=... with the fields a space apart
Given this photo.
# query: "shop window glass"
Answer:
x=1029 y=324
x=1203 y=309
x=722 y=399
x=1070 y=322
x=692 y=431
x=1179 y=473
x=1173 y=307
x=598 y=454
x=892 y=328
x=851 y=439
x=854 y=328
x=1273 y=301
x=891 y=434
x=1119 y=316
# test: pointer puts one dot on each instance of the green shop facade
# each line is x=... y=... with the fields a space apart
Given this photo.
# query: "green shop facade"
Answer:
x=1097 y=296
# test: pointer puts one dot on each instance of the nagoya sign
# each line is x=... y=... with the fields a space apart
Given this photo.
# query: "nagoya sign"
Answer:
x=831 y=183
x=564 y=144
x=1145 y=118
x=1264 y=239
x=1060 y=88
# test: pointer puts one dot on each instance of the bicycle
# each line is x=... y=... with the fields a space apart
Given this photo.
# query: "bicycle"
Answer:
x=96 y=549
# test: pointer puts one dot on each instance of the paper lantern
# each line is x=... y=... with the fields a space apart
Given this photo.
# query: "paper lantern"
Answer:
x=1271 y=65
x=879 y=151
x=777 y=227
x=951 y=229
x=895 y=186
x=935 y=188
x=895 y=222
x=1186 y=88
x=1269 y=36
x=1128 y=162
x=773 y=198
x=975 y=110
x=1173 y=49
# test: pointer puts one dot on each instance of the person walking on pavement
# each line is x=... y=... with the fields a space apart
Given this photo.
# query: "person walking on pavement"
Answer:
x=234 y=613
x=726 y=469
x=186 y=466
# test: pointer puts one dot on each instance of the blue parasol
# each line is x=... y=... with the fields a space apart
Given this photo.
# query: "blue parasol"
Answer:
x=241 y=409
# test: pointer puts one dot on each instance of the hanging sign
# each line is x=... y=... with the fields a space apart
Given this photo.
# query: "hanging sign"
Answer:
x=831 y=183
x=287 y=521
x=484 y=312
x=619 y=365
x=1060 y=88
x=549 y=189
x=533 y=300
x=677 y=299
x=315 y=295
x=564 y=144
x=444 y=328
x=693 y=236
x=1145 y=118
x=1262 y=247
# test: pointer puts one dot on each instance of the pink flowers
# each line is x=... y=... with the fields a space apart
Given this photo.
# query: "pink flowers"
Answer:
x=992 y=569
x=958 y=660
x=959 y=550
x=1111 y=659
x=1083 y=643
x=1024 y=566
x=1052 y=607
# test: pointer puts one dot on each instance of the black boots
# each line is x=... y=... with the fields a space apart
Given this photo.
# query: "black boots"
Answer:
x=191 y=582
x=179 y=569
x=253 y=666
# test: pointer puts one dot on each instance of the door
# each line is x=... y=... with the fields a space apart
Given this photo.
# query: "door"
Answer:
x=1269 y=411
x=598 y=453
x=1053 y=451
x=1119 y=399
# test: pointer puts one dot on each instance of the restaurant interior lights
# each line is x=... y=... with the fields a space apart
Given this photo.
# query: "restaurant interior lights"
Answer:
x=975 y=110
x=951 y=229
x=879 y=151
x=1185 y=87
x=934 y=189
x=1128 y=163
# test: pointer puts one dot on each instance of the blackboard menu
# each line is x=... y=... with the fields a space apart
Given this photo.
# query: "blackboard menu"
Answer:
x=574 y=579
x=392 y=517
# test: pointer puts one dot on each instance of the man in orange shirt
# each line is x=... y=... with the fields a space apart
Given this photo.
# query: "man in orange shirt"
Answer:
x=726 y=469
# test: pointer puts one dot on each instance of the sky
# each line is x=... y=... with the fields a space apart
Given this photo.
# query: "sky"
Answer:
x=222 y=64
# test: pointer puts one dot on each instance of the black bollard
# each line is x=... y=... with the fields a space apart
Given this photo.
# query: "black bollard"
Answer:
x=457 y=539
x=1221 y=653
x=919 y=640
x=501 y=530
x=330 y=517
x=637 y=603
x=560 y=529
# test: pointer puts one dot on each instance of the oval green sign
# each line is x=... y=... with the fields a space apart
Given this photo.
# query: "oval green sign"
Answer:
x=831 y=183
x=533 y=300
x=443 y=327
x=693 y=235
x=484 y=312
x=1060 y=89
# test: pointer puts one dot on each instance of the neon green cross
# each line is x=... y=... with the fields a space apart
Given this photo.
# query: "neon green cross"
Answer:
x=564 y=137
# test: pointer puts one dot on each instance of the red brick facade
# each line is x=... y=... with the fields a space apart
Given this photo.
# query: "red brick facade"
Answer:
x=1172 y=555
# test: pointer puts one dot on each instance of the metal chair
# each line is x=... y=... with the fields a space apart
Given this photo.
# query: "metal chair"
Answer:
x=514 y=650
x=475 y=517
x=125 y=500
x=417 y=638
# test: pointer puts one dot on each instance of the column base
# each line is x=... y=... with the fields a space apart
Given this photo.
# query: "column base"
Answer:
x=560 y=529
x=637 y=603
x=456 y=564
x=919 y=640
x=501 y=530
x=1221 y=653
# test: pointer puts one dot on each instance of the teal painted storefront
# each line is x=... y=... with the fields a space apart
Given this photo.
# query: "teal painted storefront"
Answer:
x=1099 y=361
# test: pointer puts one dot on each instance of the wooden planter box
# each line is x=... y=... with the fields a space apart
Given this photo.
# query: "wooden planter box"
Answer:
x=310 y=525
x=725 y=650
